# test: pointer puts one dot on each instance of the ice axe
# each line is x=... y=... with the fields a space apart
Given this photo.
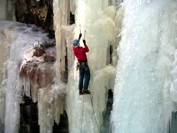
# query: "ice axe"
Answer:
x=84 y=31
x=80 y=28
x=84 y=34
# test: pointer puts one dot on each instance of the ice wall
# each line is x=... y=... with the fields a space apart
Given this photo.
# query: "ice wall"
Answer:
x=98 y=19
x=145 y=90
x=3 y=47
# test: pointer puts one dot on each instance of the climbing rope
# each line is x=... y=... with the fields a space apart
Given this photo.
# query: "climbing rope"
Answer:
x=82 y=112
x=94 y=113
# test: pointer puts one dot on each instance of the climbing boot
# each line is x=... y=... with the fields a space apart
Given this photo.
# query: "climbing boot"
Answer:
x=86 y=91
x=81 y=92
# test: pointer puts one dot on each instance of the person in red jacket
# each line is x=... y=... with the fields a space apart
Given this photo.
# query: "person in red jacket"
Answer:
x=84 y=71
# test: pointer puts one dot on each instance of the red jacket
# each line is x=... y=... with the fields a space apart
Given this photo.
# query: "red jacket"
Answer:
x=80 y=53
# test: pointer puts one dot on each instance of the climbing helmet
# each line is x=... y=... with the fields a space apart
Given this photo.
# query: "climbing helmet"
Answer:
x=75 y=42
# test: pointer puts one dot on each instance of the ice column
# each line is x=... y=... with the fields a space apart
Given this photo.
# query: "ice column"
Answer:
x=52 y=97
x=3 y=50
x=142 y=98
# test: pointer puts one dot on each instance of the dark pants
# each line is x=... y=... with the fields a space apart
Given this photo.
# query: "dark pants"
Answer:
x=84 y=75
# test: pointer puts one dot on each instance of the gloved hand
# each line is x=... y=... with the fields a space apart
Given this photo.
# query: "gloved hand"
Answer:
x=84 y=41
x=80 y=35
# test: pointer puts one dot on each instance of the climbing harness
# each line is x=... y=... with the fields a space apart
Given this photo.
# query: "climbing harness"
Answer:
x=83 y=63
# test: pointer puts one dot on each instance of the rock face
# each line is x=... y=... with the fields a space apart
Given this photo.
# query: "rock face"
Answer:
x=29 y=119
x=37 y=12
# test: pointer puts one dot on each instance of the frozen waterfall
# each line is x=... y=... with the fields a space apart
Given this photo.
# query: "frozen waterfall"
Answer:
x=132 y=52
x=145 y=85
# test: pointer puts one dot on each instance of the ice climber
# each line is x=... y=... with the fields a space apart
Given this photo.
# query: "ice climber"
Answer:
x=82 y=65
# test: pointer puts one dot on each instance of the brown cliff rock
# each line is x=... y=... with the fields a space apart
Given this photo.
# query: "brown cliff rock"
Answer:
x=39 y=13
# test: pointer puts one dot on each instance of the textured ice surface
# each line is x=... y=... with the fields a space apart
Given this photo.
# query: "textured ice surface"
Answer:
x=144 y=86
